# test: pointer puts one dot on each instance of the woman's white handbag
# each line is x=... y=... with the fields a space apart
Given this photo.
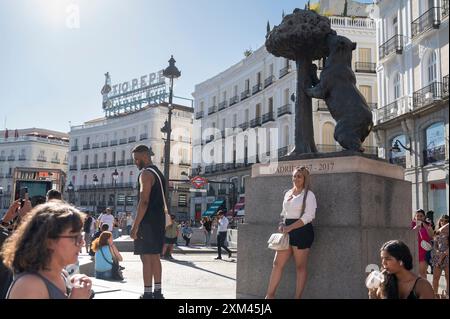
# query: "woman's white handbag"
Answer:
x=278 y=241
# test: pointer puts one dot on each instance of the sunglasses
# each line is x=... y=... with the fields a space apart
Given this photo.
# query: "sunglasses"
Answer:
x=77 y=239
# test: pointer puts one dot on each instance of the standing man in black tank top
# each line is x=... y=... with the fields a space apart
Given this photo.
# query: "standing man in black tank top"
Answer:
x=149 y=226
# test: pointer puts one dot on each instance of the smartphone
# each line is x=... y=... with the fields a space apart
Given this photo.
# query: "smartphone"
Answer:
x=23 y=191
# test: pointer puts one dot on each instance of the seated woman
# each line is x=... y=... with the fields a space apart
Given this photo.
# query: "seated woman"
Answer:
x=48 y=239
x=399 y=282
x=105 y=253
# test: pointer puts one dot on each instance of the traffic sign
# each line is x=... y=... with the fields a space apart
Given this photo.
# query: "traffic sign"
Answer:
x=198 y=181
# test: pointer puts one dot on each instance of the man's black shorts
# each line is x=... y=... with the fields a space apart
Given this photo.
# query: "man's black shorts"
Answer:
x=150 y=239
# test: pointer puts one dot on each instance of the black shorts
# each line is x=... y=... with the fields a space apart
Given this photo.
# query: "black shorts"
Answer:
x=150 y=239
x=302 y=237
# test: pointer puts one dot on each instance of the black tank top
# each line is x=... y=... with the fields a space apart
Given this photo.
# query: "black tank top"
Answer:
x=412 y=294
x=155 y=210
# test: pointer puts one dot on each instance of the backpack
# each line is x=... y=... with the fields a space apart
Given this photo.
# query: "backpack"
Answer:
x=87 y=225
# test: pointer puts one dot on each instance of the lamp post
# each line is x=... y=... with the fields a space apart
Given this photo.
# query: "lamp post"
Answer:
x=171 y=72
x=115 y=176
x=70 y=188
x=1 y=197
x=95 y=181
x=396 y=149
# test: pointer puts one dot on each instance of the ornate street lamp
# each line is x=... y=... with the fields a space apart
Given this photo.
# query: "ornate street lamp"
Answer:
x=171 y=72
x=95 y=181
x=396 y=149
x=70 y=188
x=115 y=176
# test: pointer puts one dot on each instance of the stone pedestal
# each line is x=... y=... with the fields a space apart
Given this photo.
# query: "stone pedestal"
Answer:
x=362 y=203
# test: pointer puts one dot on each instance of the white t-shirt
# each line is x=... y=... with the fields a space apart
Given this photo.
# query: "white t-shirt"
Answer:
x=223 y=224
x=293 y=207
x=107 y=219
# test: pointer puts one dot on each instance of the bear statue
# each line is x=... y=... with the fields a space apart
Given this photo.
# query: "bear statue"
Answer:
x=345 y=103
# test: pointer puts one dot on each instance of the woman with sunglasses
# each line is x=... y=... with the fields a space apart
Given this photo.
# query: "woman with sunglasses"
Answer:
x=48 y=239
x=299 y=210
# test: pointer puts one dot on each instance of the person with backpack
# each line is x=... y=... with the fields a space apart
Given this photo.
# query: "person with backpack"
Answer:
x=88 y=229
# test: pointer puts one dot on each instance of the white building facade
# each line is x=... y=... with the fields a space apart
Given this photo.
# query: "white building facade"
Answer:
x=102 y=147
x=29 y=148
x=254 y=96
x=412 y=37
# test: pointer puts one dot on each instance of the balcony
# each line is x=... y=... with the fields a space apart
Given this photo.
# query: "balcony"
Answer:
x=245 y=94
x=372 y=106
x=55 y=161
x=11 y=158
x=284 y=71
x=399 y=160
x=208 y=169
x=143 y=136
x=366 y=67
x=184 y=163
x=256 y=88
x=244 y=125
x=428 y=20
x=104 y=144
x=199 y=115
x=102 y=165
x=123 y=141
x=393 y=44
x=93 y=166
x=130 y=161
x=113 y=143
x=132 y=139
x=269 y=81
x=73 y=167
x=121 y=163
x=219 y=167
x=41 y=159
x=444 y=9
x=2 y=158
x=445 y=86
x=212 y=110
x=285 y=109
x=74 y=148
x=234 y=100
x=428 y=95
x=283 y=151
x=112 y=164
x=22 y=158
x=267 y=117
x=255 y=122
x=393 y=110
x=84 y=166
x=95 y=145
x=435 y=154
x=222 y=105
x=86 y=146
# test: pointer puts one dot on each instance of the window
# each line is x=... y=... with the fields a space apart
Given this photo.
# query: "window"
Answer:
x=270 y=102
x=247 y=84
x=258 y=78
x=286 y=135
x=246 y=115
x=271 y=70
x=286 y=96
x=86 y=159
x=432 y=68
x=366 y=91
x=214 y=101
x=201 y=106
x=234 y=120
x=435 y=143
x=397 y=87
x=328 y=134
x=258 y=110
x=235 y=90
x=364 y=55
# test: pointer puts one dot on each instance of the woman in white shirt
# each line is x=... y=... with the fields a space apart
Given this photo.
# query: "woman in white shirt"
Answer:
x=300 y=230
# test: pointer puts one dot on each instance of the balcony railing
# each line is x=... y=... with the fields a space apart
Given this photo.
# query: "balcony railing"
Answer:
x=42 y=159
x=372 y=106
x=234 y=100
x=113 y=143
x=285 y=109
x=222 y=105
x=267 y=117
x=104 y=144
x=102 y=165
x=255 y=122
x=244 y=125
x=143 y=136
x=11 y=158
x=269 y=81
x=2 y=158
x=428 y=95
x=211 y=110
x=132 y=139
x=74 y=148
x=393 y=110
x=245 y=94
x=86 y=146
x=73 y=167
x=199 y=115
x=400 y=160
x=428 y=20
x=22 y=158
x=123 y=141
x=367 y=67
x=111 y=163
x=393 y=44
x=121 y=163
x=93 y=166
x=130 y=161
x=283 y=151
x=284 y=71
x=435 y=154
x=55 y=161
x=184 y=163
x=84 y=166
x=256 y=88
x=445 y=86
x=95 y=145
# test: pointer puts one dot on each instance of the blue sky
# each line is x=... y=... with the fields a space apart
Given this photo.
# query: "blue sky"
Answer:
x=51 y=74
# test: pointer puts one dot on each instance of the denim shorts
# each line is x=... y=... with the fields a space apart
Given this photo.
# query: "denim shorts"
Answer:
x=103 y=274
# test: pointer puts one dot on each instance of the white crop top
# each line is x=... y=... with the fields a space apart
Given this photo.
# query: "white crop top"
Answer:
x=293 y=207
